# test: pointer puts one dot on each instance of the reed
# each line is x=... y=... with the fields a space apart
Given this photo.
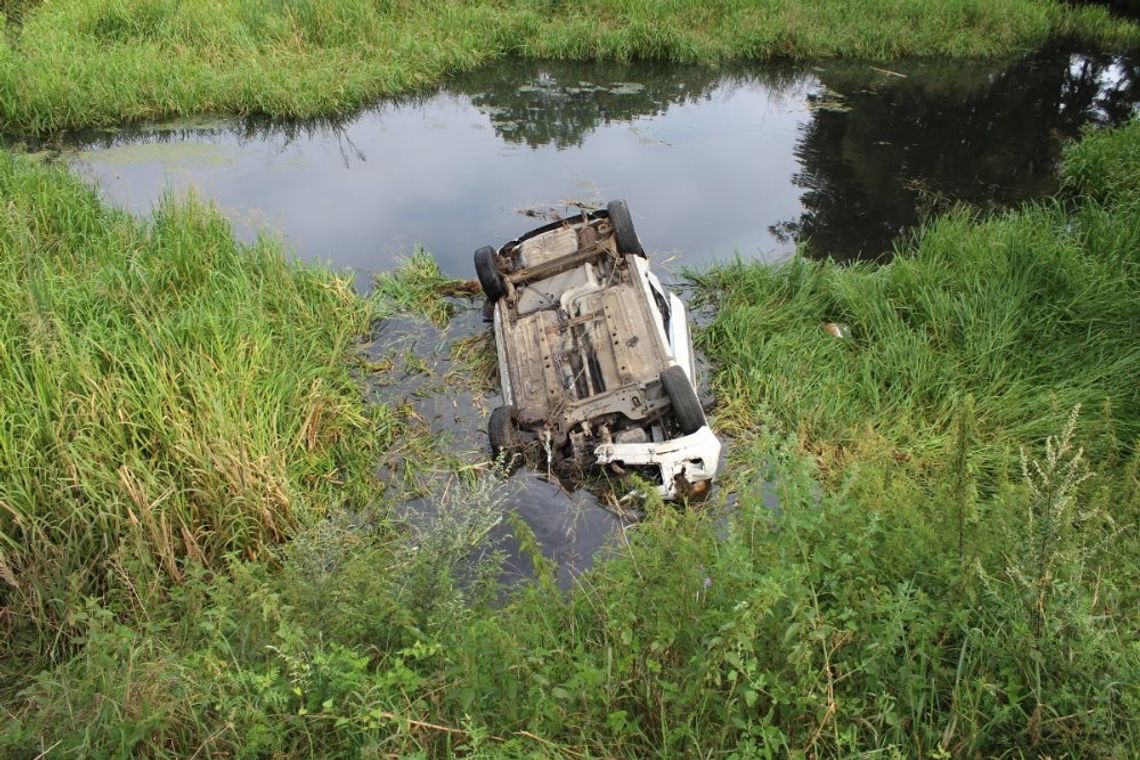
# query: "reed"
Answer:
x=167 y=397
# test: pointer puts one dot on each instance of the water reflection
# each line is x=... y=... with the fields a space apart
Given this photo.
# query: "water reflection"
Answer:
x=944 y=133
x=841 y=155
x=562 y=103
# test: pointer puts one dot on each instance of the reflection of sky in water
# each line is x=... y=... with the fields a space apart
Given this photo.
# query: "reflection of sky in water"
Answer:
x=701 y=179
x=710 y=162
x=1111 y=79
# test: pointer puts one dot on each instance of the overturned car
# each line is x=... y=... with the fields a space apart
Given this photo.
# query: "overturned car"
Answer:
x=595 y=358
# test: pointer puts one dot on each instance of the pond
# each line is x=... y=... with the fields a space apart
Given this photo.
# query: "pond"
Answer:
x=841 y=156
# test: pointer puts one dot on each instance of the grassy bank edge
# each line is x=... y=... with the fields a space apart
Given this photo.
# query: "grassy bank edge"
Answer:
x=81 y=63
x=170 y=398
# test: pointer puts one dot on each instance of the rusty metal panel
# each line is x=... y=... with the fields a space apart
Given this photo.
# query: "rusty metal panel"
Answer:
x=632 y=338
x=582 y=346
x=548 y=247
x=533 y=375
x=569 y=366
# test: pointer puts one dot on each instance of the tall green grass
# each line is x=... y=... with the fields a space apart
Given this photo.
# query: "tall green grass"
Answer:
x=168 y=398
x=74 y=63
x=834 y=626
x=932 y=549
x=1027 y=313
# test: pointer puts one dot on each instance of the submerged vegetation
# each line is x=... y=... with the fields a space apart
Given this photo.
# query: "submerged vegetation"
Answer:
x=77 y=63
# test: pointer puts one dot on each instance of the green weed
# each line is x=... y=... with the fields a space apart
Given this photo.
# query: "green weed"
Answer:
x=1025 y=312
x=195 y=559
x=417 y=286
x=168 y=398
x=817 y=627
x=1104 y=165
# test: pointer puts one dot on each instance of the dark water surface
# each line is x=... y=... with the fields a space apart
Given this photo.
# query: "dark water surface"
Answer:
x=448 y=410
x=751 y=159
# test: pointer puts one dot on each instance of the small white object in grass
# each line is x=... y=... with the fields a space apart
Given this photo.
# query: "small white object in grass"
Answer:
x=837 y=329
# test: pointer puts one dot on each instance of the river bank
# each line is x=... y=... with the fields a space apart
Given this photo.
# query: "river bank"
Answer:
x=80 y=63
x=175 y=405
x=823 y=157
x=924 y=541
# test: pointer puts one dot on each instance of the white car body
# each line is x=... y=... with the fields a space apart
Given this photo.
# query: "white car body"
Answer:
x=587 y=337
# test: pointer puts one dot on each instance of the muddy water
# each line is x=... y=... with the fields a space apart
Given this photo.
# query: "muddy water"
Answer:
x=841 y=156
x=569 y=529
x=441 y=476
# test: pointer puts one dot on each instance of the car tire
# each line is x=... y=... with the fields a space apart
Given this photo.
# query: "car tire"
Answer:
x=502 y=429
x=490 y=279
x=626 y=235
x=686 y=406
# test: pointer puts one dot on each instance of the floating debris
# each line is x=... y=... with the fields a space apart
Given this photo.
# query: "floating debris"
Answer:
x=827 y=100
x=888 y=72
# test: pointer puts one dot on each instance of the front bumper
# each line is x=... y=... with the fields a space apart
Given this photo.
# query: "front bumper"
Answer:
x=694 y=457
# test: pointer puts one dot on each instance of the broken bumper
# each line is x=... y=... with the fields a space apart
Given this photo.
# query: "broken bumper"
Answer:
x=693 y=457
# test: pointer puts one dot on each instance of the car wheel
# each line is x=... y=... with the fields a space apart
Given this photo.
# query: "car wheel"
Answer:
x=502 y=429
x=686 y=405
x=491 y=280
x=626 y=235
